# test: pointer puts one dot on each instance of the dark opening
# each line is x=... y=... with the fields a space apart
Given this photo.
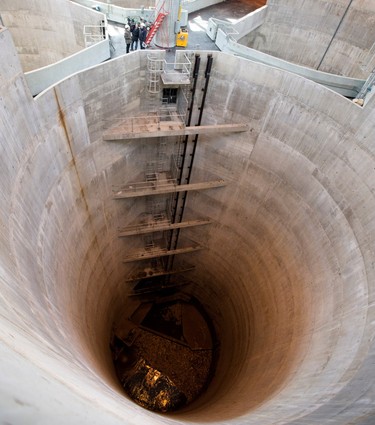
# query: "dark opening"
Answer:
x=170 y=95
x=165 y=351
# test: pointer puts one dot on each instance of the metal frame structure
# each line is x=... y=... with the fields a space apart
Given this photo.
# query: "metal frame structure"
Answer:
x=167 y=173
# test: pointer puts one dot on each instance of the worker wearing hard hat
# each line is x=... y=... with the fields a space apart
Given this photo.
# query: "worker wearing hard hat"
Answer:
x=142 y=35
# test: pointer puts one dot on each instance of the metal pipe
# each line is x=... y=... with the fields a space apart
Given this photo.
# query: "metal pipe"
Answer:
x=169 y=262
x=334 y=34
x=175 y=235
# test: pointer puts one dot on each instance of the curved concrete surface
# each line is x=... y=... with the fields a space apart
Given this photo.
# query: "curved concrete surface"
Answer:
x=50 y=39
x=346 y=86
x=46 y=32
x=331 y=36
x=287 y=276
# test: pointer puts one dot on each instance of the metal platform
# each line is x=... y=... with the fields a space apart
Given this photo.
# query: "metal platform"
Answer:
x=158 y=226
x=162 y=187
x=156 y=252
x=174 y=78
x=150 y=273
x=139 y=128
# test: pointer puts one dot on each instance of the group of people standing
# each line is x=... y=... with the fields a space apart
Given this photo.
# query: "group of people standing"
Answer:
x=135 y=33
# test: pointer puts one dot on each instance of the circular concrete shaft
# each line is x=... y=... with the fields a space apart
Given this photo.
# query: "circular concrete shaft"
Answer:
x=287 y=276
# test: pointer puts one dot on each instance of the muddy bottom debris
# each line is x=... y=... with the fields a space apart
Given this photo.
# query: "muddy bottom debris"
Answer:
x=164 y=353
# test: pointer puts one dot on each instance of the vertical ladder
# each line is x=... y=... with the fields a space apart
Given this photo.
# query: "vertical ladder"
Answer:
x=155 y=66
x=155 y=27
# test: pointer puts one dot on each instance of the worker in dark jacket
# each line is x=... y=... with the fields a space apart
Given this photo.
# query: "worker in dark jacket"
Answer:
x=135 y=37
x=142 y=35
x=131 y=23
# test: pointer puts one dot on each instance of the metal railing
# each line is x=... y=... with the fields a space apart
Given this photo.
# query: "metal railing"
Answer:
x=156 y=66
x=226 y=27
x=94 y=34
x=366 y=88
x=137 y=123
x=134 y=187
x=180 y=68
x=152 y=224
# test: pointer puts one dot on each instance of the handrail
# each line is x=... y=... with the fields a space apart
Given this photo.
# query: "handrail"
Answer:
x=135 y=122
x=137 y=186
x=225 y=25
x=165 y=66
x=94 y=33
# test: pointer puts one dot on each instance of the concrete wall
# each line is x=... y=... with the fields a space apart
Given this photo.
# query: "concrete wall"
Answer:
x=119 y=10
x=332 y=36
x=41 y=78
x=249 y=22
x=346 y=86
x=119 y=14
x=288 y=276
x=46 y=32
x=189 y=4
x=239 y=28
x=195 y=5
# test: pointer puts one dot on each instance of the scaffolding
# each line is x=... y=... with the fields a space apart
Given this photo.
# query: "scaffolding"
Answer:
x=167 y=169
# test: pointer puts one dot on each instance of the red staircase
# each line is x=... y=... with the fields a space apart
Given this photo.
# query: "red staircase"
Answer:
x=155 y=27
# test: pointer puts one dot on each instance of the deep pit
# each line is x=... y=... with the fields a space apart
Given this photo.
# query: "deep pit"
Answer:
x=285 y=272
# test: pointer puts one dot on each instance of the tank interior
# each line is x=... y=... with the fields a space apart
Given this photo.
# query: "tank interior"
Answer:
x=197 y=238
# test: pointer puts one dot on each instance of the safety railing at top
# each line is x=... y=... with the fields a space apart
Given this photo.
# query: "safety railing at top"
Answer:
x=366 y=89
x=158 y=65
x=94 y=34
x=227 y=28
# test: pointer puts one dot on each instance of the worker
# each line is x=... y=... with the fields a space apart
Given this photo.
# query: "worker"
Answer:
x=128 y=37
x=142 y=35
x=135 y=37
